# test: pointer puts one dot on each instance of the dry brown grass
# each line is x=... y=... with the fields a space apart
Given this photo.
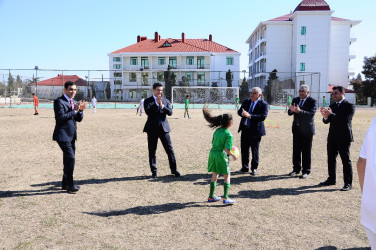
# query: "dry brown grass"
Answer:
x=120 y=207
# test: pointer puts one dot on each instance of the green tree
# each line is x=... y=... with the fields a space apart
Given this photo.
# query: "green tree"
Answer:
x=229 y=78
x=2 y=88
x=244 y=90
x=369 y=72
x=11 y=83
x=268 y=88
x=170 y=81
x=357 y=84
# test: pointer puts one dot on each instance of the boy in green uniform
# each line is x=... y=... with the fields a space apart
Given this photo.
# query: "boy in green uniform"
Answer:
x=324 y=102
x=218 y=157
x=236 y=102
x=289 y=100
x=186 y=106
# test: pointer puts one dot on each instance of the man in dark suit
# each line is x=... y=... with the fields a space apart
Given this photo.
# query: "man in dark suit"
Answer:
x=339 y=115
x=253 y=111
x=156 y=108
x=303 y=108
x=67 y=113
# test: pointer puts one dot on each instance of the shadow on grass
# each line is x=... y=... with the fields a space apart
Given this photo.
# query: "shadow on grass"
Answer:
x=241 y=178
x=156 y=209
x=19 y=193
x=335 y=248
x=265 y=194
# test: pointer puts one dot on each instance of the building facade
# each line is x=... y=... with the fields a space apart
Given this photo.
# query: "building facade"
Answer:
x=308 y=46
x=194 y=62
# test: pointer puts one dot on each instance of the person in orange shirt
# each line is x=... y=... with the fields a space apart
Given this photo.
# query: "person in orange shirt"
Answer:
x=36 y=103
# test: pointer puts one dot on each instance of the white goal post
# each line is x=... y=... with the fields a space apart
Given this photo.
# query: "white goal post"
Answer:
x=201 y=95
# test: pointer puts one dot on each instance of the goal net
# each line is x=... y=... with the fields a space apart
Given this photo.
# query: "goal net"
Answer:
x=216 y=97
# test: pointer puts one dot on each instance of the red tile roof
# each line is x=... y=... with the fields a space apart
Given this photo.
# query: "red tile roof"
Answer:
x=190 y=45
x=287 y=18
x=60 y=80
x=312 y=5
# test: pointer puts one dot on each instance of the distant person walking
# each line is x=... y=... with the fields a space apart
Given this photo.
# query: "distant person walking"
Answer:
x=186 y=106
x=324 y=104
x=141 y=105
x=367 y=179
x=236 y=102
x=94 y=103
x=36 y=104
x=288 y=103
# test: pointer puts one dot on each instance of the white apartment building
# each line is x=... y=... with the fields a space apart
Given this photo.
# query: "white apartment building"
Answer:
x=308 y=46
x=134 y=69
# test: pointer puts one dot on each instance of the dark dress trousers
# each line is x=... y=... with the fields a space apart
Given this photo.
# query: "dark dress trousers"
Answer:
x=156 y=127
x=339 y=139
x=65 y=133
x=303 y=129
x=252 y=132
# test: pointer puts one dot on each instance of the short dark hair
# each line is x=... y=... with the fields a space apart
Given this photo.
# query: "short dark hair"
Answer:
x=187 y=96
x=68 y=83
x=33 y=93
x=339 y=88
x=157 y=84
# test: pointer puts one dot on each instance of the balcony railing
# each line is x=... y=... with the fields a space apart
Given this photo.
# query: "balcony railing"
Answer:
x=164 y=67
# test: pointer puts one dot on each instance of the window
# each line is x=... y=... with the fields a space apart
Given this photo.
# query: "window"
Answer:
x=160 y=76
x=172 y=62
x=117 y=66
x=303 y=30
x=200 y=78
x=189 y=76
x=145 y=62
x=166 y=44
x=117 y=59
x=161 y=60
x=118 y=82
x=132 y=77
x=302 y=66
x=134 y=61
x=118 y=74
x=229 y=60
x=302 y=48
x=145 y=79
x=190 y=60
x=200 y=62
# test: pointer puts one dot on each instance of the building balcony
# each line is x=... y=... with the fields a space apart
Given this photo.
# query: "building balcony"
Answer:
x=351 y=73
x=262 y=56
x=164 y=67
x=352 y=57
x=352 y=40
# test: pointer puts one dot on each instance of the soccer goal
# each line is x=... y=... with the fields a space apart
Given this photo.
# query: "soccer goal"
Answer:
x=216 y=97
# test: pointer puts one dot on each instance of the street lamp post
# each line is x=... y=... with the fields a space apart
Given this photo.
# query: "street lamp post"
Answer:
x=36 y=80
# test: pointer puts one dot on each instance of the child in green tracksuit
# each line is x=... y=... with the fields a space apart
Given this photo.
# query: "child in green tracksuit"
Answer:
x=218 y=157
x=186 y=106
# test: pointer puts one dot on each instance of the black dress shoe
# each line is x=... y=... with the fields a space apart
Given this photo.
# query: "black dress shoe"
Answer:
x=327 y=183
x=347 y=187
x=176 y=173
x=73 y=188
x=154 y=174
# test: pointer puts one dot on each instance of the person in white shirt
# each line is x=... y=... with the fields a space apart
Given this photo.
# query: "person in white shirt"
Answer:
x=94 y=103
x=140 y=106
x=367 y=179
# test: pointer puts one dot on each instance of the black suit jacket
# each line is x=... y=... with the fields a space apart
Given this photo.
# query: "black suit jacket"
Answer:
x=340 y=129
x=259 y=114
x=66 y=118
x=155 y=115
x=303 y=122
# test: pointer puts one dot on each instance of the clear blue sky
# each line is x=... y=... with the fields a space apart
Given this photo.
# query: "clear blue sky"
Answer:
x=78 y=34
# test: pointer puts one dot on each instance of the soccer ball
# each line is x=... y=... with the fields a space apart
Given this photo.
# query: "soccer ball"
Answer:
x=235 y=151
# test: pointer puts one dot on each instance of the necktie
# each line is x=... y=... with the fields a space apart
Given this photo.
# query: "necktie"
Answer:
x=71 y=103
x=248 y=122
x=301 y=103
x=338 y=104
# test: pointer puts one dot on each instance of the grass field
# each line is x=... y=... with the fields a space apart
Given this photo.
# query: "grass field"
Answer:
x=120 y=207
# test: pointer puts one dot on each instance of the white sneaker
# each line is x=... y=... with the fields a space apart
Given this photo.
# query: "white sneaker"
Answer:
x=293 y=174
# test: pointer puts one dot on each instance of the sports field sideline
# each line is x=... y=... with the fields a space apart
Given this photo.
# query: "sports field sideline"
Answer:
x=120 y=207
